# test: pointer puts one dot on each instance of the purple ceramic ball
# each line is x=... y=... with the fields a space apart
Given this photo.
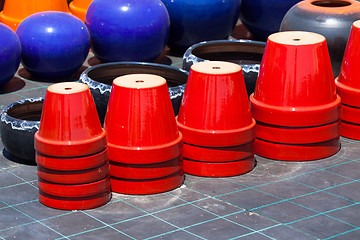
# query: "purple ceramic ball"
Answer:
x=54 y=44
x=127 y=30
x=10 y=54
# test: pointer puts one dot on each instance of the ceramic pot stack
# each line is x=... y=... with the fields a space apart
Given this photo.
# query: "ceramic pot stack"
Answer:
x=71 y=150
x=216 y=122
x=145 y=146
x=348 y=86
x=295 y=103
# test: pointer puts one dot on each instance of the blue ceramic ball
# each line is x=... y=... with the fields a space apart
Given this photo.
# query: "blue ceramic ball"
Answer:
x=127 y=30
x=263 y=17
x=54 y=44
x=200 y=20
x=10 y=54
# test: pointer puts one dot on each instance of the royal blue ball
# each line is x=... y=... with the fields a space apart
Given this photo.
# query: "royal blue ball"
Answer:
x=194 y=21
x=10 y=54
x=54 y=44
x=127 y=30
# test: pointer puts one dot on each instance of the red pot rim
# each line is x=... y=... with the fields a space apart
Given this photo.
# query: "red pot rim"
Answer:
x=350 y=114
x=349 y=95
x=303 y=152
x=350 y=130
x=219 y=169
x=220 y=154
x=218 y=138
x=147 y=186
x=296 y=116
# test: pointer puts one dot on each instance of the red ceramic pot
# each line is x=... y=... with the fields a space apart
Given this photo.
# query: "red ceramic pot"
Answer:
x=140 y=121
x=74 y=190
x=293 y=135
x=297 y=152
x=219 y=169
x=146 y=171
x=73 y=163
x=215 y=110
x=350 y=130
x=147 y=186
x=295 y=66
x=69 y=125
x=350 y=114
x=219 y=154
x=74 y=177
x=348 y=84
x=81 y=203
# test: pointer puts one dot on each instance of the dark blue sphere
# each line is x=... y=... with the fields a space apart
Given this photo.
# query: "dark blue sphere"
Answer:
x=200 y=20
x=54 y=44
x=10 y=54
x=127 y=30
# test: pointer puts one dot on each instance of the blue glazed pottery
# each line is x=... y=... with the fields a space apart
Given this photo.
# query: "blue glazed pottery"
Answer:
x=54 y=44
x=10 y=53
x=263 y=17
x=127 y=30
x=201 y=20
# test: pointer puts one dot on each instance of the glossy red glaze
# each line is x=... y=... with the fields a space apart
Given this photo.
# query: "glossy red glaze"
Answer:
x=74 y=177
x=69 y=125
x=293 y=135
x=348 y=84
x=350 y=130
x=146 y=171
x=74 y=190
x=147 y=186
x=73 y=163
x=219 y=169
x=295 y=86
x=303 y=152
x=219 y=154
x=81 y=203
x=140 y=121
x=215 y=110
x=350 y=114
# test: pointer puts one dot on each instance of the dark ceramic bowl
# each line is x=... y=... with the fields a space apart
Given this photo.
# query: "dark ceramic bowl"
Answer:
x=247 y=53
x=19 y=122
x=100 y=77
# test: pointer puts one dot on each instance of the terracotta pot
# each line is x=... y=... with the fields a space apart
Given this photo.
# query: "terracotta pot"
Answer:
x=100 y=78
x=246 y=53
x=332 y=19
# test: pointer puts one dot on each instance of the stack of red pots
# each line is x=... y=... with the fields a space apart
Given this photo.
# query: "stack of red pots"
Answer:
x=71 y=150
x=216 y=122
x=348 y=85
x=295 y=103
x=145 y=146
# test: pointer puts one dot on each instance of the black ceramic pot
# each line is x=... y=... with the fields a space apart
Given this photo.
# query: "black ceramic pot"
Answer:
x=100 y=77
x=331 y=18
x=246 y=53
x=19 y=122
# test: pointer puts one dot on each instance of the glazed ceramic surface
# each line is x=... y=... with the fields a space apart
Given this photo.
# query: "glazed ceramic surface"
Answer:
x=54 y=44
x=246 y=53
x=332 y=19
x=263 y=17
x=196 y=21
x=10 y=53
x=124 y=30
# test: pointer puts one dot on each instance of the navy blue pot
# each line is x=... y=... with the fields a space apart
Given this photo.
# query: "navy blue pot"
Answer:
x=263 y=17
x=54 y=44
x=123 y=30
x=201 y=20
x=10 y=53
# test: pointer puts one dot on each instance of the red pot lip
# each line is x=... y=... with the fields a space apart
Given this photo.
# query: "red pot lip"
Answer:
x=350 y=114
x=349 y=95
x=223 y=154
x=146 y=154
x=218 y=138
x=79 y=148
x=147 y=186
x=287 y=152
x=293 y=135
x=350 y=130
x=295 y=116
x=223 y=169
